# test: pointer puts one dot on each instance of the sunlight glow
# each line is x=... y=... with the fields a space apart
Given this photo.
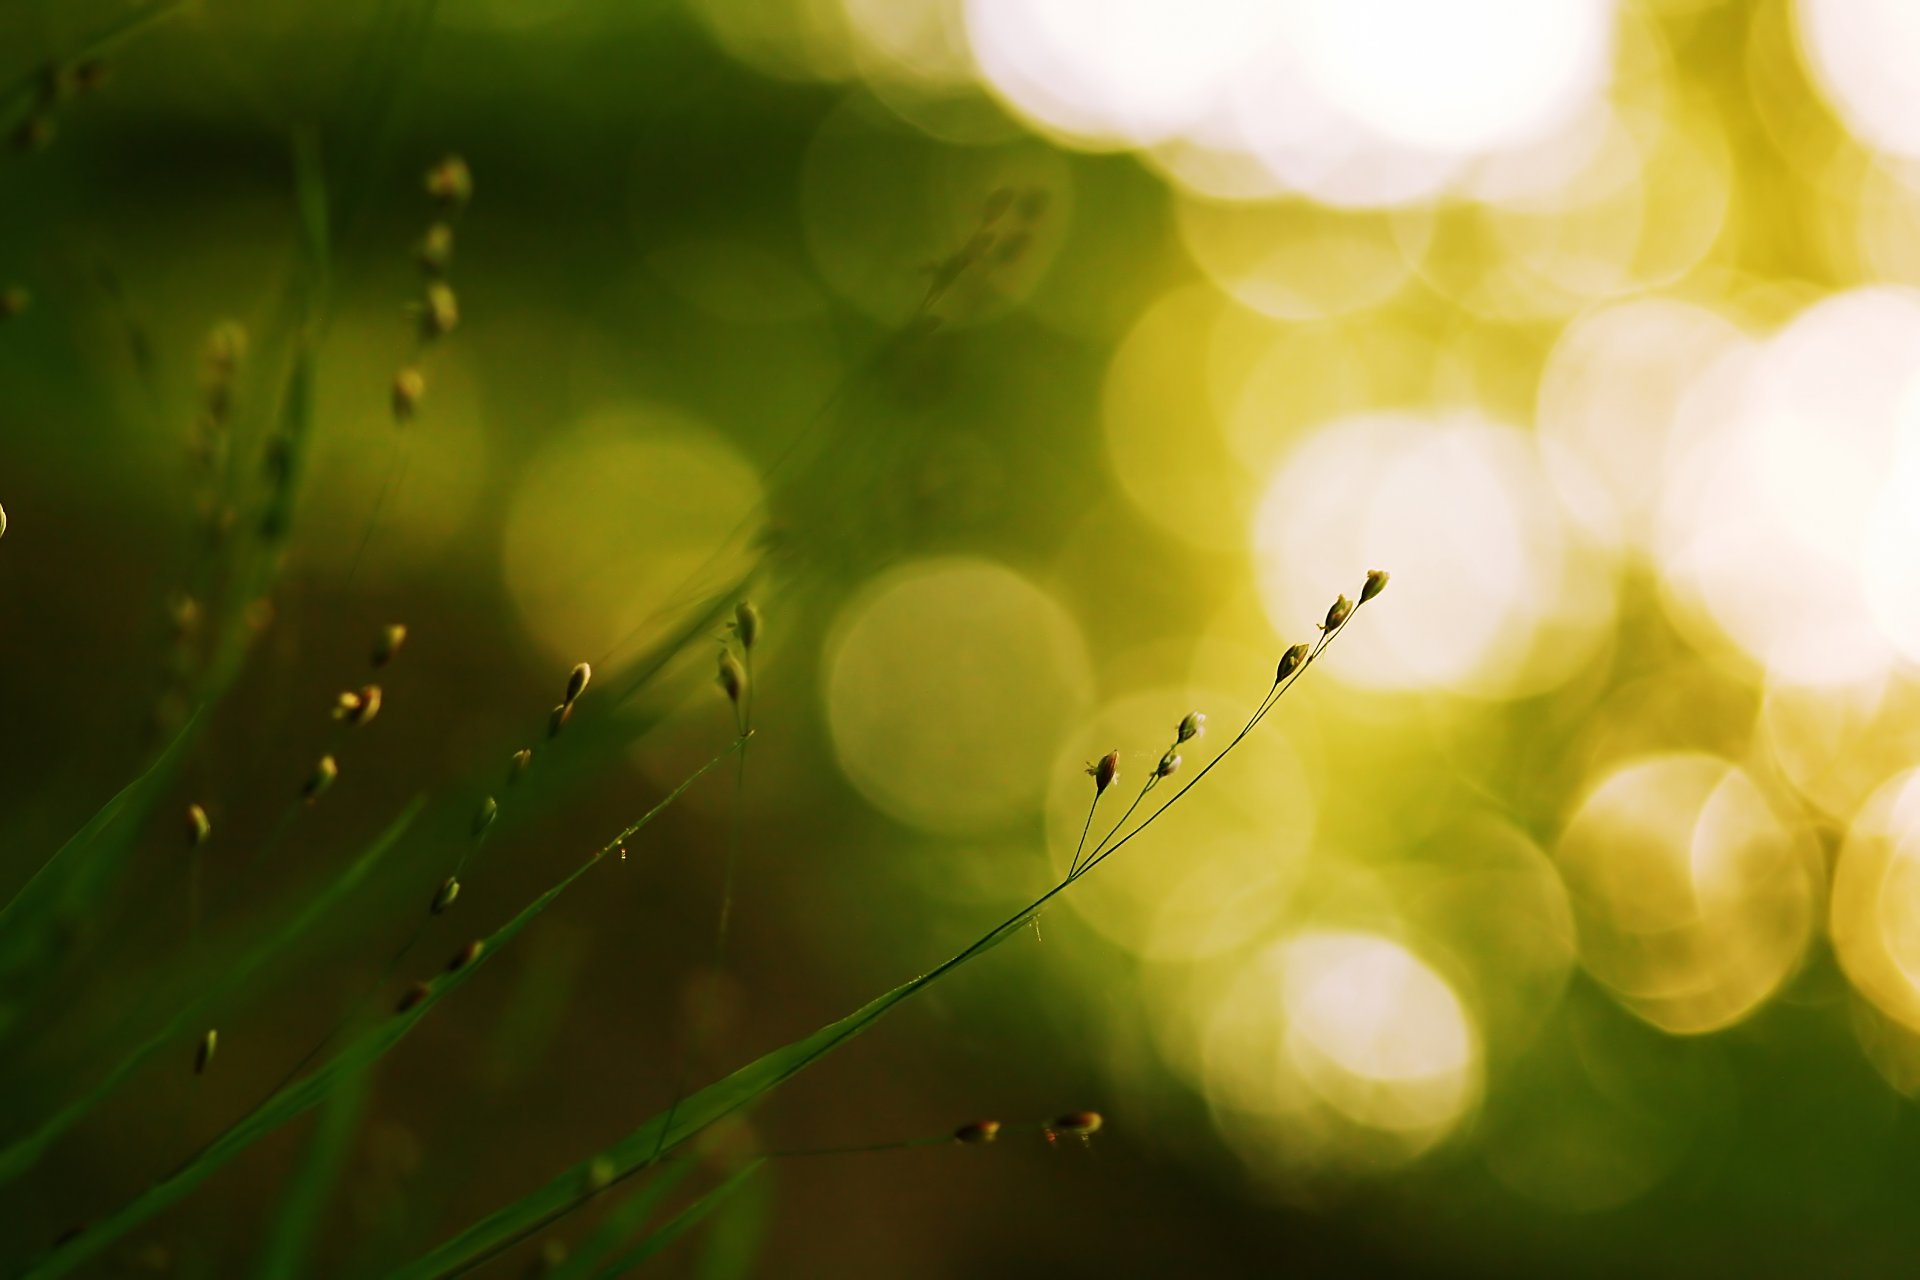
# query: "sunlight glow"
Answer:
x=1695 y=899
x=950 y=685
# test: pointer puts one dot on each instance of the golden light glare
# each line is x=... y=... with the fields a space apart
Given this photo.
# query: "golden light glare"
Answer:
x=951 y=686
x=1355 y=103
x=1335 y=1050
x=1861 y=55
x=1492 y=597
x=1609 y=396
x=1784 y=516
x=617 y=520
x=1875 y=923
x=1695 y=899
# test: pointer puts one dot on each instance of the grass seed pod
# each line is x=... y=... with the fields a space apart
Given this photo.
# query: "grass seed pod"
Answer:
x=444 y=896
x=466 y=955
x=322 y=779
x=198 y=827
x=979 y=1133
x=413 y=997
x=578 y=679
x=1376 y=583
x=746 y=623
x=387 y=645
x=203 y=1052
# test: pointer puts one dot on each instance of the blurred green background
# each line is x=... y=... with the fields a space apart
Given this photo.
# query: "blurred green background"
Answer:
x=1052 y=364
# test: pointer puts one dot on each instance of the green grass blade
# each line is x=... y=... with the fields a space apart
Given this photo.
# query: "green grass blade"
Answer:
x=20 y=1155
x=302 y=1095
x=733 y=1244
x=621 y=1221
x=681 y=1223
x=290 y=1240
x=669 y=1129
x=62 y=892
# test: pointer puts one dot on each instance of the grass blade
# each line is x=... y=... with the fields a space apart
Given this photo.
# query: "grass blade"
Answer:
x=621 y=1221
x=691 y=1115
x=304 y=1094
x=62 y=892
x=290 y=1241
x=681 y=1223
x=20 y=1155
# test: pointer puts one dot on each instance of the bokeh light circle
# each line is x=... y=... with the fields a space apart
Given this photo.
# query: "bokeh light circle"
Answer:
x=950 y=685
x=1491 y=595
x=617 y=519
x=1695 y=899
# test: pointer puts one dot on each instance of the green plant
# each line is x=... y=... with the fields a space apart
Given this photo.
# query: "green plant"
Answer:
x=258 y=405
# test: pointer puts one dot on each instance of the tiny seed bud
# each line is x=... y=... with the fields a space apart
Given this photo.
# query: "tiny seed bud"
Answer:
x=387 y=645
x=436 y=249
x=369 y=697
x=521 y=759
x=441 y=312
x=577 y=681
x=746 y=623
x=14 y=300
x=733 y=677
x=324 y=774
x=1192 y=725
x=1080 y=1123
x=484 y=816
x=466 y=955
x=1376 y=583
x=409 y=385
x=203 y=1052
x=1337 y=613
x=450 y=181
x=35 y=133
x=1103 y=772
x=599 y=1174
x=91 y=76
x=979 y=1133
x=198 y=828
x=412 y=997
x=557 y=719
x=1168 y=763
x=1290 y=662
x=443 y=898
x=347 y=704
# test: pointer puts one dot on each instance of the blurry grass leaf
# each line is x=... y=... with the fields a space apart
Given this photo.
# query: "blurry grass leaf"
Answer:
x=20 y=1156
x=69 y=885
x=668 y=1130
x=620 y=1222
x=733 y=1245
x=681 y=1223
x=304 y=1203
x=302 y=1095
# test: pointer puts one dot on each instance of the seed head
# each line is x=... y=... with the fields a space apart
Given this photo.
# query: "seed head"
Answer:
x=441 y=311
x=444 y=896
x=979 y=1133
x=3 y=522
x=733 y=677
x=521 y=759
x=1079 y=1123
x=198 y=828
x=450 y=182
x=1103 y=771
x=1168 y=763
x=1376 y=583
x=483 y=816
x=412 y=997
x=35 y=133
x=746 y=623
x=557 y=719
x=577 y=681
x=409 y=385
x=436 y=249
x=13 y=300
x=1290 y=662
x=388 y=643
x=324 y=774
x=357 y=706
x=1192 y=725
x=91 y=76
x=1337 y=614
x=203 y=1052
x=466 y=955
